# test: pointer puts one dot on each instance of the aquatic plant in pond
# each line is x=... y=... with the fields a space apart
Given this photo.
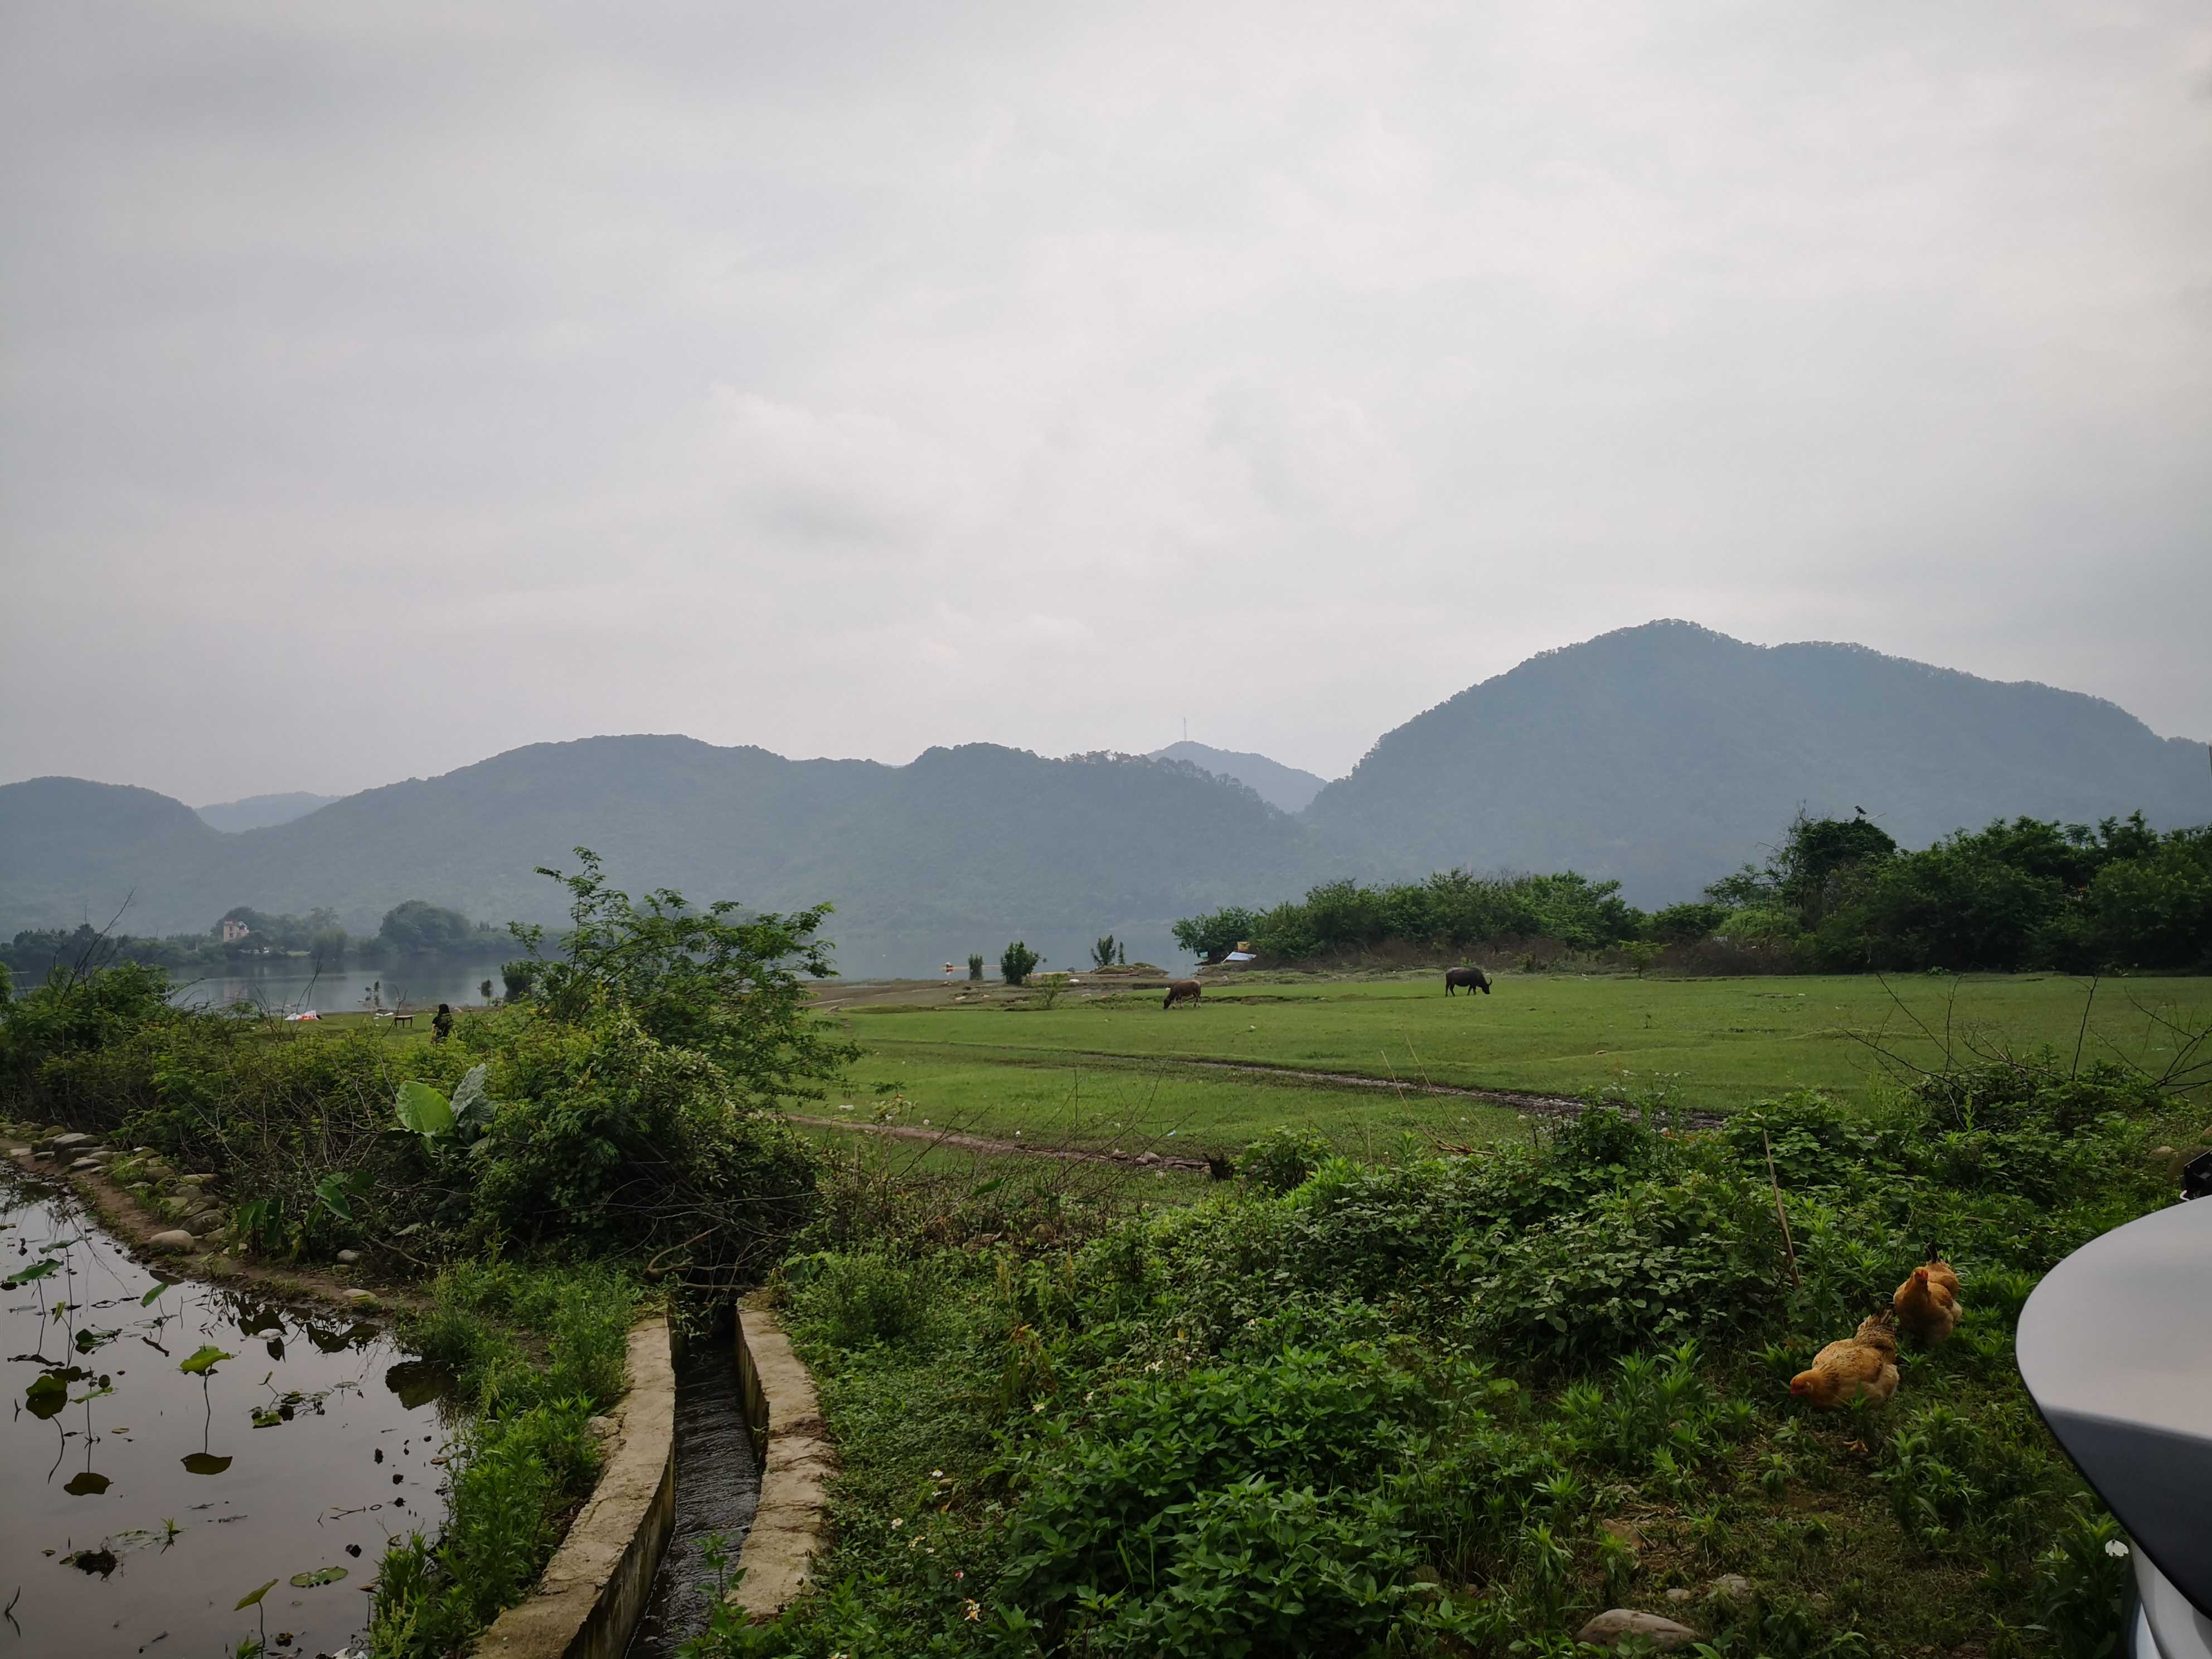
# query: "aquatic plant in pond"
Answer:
x=176 y=1445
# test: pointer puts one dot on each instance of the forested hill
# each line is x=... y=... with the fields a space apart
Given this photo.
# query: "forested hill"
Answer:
x=1663 y=756
x=981 y=838
x=1667 y=755
x=1286 y=786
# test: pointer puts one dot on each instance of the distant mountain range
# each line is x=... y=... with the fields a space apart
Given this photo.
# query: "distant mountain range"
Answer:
x=1667 y=755
x=1663 y=756
x=262 y=811
x=1286 y=788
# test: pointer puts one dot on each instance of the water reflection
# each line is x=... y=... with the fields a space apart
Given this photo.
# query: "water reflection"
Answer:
x=171 y=1446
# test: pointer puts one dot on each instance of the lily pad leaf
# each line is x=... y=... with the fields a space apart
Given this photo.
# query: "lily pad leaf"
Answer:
x=47 y=1394
x=153 y=1295
x=247 y=1600
x=313 y=1580
x=86 y=1484
x=204 y=1361
x=33 y=1274
x=423 y=1110
x=205 y=1463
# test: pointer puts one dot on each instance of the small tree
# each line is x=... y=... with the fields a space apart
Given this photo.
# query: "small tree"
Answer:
x=975 y=965
x=1641 y=953
x=518 y=977
x=484 y=990
x=1101 y=951
x=1016 y=963
x=734 y=990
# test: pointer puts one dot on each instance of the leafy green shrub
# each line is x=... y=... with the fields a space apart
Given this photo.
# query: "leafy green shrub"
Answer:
x=734 y=991
x=975 y=965
x=1118 y=1514
x=1255 y=1568
x=869 y=1299
x=1815 y=1141
x=1015 y=963
x=70 y=1016
x=1650 y=1262
x=1655 y=1404
x=1282 y=1159
x=604 y=1134
x=2082 y=1585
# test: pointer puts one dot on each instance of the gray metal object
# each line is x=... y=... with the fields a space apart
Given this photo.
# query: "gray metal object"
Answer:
x=2116 y=1348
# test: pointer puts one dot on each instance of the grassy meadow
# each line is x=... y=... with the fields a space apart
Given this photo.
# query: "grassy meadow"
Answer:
x=1111 y=1068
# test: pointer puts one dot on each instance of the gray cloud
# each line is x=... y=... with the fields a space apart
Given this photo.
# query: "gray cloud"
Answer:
x=383 y=387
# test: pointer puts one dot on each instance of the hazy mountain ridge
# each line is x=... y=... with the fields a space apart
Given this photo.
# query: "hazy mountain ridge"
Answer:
x=262 y=811
x=980 y=837
x=1663 y=756
x=1286 y=788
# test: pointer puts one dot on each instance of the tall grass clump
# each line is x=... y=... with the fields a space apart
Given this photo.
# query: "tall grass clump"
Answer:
x=527 y=1457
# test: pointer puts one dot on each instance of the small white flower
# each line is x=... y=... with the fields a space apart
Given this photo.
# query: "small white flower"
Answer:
x=937 y=1475
x=1037 y=1408
x=2114 y=1548
x=896 y=1523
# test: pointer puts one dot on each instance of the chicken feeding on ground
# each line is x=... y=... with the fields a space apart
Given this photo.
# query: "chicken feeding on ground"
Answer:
x=1927 y=1304
x=1865 y=1364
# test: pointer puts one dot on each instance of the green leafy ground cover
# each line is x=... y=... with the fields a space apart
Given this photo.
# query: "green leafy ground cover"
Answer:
x=1458 y=1405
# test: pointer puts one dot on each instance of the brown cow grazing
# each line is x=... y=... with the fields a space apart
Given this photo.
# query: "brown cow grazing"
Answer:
x=1473 y=978
x=1183 y=990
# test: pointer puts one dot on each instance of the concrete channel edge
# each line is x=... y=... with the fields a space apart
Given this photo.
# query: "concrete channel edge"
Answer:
x=594 y=1591
x=791 y=1446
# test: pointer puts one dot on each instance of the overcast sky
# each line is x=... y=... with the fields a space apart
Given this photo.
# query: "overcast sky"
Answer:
x=388 y=386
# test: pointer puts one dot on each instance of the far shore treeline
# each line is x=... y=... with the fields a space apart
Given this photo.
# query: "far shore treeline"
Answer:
x=413 y=929
x=1838 y=895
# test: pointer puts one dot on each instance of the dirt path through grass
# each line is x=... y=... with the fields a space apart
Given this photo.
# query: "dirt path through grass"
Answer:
x=1562 y=1106
x=1554 y=1105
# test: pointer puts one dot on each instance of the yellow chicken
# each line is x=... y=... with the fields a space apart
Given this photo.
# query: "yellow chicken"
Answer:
x=1927 y=1304
x=1865 y=1364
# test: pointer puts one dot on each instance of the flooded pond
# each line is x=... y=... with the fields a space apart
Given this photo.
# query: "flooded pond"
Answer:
x=151 y=1484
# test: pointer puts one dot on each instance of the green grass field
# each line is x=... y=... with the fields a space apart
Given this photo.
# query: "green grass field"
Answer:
x=1102 y=1071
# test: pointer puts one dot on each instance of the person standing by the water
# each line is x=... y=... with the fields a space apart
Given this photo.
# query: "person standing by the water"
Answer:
x=442 y=1023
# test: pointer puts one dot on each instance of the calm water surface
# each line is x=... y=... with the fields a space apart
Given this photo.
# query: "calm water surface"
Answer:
x=142 y=1503
x=289 y=987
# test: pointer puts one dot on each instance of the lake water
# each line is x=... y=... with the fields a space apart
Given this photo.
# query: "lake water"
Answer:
x=424 y=982
x=142 y=1503
x=290 y=986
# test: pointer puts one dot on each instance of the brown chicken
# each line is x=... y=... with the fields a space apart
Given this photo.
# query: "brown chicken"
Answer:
x=1842 y=1371
x=1927 y=1304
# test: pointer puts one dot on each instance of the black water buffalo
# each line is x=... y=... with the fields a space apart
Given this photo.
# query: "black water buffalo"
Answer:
x=1183 y=990
x=1473 y=978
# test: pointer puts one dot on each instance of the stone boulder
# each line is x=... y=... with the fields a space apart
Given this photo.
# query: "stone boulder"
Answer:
x=1609 y=1629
